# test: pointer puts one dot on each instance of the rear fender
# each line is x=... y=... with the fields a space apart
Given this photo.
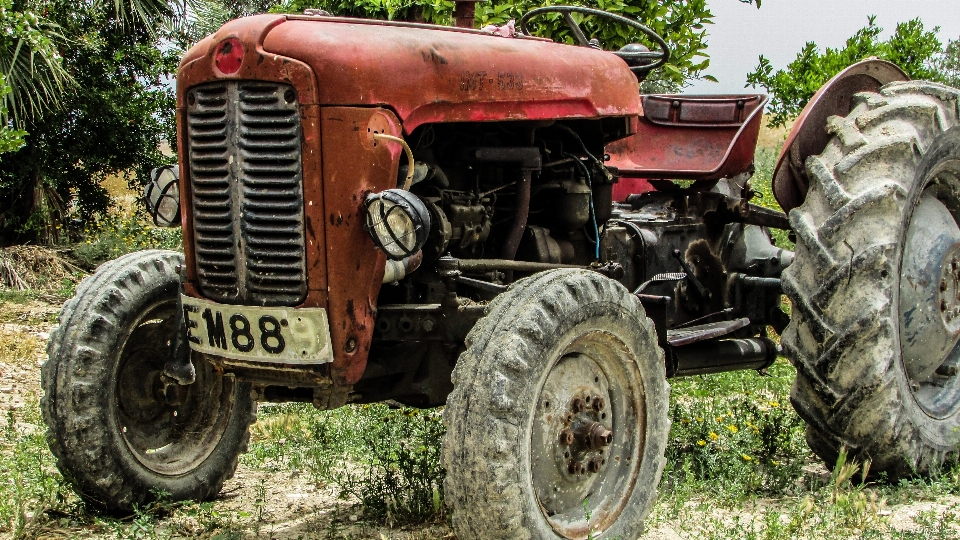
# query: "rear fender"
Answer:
x=809 y=135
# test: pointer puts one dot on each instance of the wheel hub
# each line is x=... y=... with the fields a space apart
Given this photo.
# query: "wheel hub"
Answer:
x=584 y=446
x=583 y=438
x=929 y=288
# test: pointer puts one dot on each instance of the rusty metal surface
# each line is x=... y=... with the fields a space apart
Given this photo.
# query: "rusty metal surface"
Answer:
x=809 y=136
x=587 y=433
x=437 y=74
x=198 y=67
x=354 y=165
x=464 y=13
x=245 y=154
x=690 y=137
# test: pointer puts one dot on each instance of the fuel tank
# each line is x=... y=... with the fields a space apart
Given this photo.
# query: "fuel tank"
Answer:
x=427 y=73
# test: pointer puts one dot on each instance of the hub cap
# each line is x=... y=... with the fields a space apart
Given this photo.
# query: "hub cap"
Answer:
x=930 y=297
x=588 y=433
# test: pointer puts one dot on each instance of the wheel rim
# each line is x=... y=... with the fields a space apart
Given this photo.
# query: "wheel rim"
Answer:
x=588 y=434
x=169 y=429
x=929 y=302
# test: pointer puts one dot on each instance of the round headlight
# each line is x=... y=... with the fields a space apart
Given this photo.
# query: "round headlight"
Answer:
x=162 y=196
x=397 y=221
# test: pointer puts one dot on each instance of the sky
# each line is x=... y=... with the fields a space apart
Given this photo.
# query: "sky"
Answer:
x=780 y=28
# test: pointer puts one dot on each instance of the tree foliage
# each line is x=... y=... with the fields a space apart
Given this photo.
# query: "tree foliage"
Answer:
x=109 y=122
x=911 y=47
x=682 y=24
x=30 y=61
x=195 y=19
x=947 y=64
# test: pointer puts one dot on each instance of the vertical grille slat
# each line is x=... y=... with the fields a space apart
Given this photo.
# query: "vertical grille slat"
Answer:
x=245 y=152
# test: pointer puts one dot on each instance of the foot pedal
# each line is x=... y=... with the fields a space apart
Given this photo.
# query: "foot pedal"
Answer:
x=703 y=332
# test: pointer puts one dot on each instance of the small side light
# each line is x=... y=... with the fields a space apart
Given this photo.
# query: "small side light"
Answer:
x=397 y=221
x=229 y=56
x=162 y=196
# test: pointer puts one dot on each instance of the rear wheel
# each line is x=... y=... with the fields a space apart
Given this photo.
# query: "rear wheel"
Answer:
x=120 y=434
x=875 y=285
x=557 y=424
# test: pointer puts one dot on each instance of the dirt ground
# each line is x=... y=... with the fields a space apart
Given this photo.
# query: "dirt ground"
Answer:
x=283 y=506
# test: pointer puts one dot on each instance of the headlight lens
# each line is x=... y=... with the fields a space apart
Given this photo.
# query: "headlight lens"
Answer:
x=397 y=221
x=162 y=196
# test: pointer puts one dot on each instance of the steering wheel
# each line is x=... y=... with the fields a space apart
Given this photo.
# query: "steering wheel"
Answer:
x=638 y=59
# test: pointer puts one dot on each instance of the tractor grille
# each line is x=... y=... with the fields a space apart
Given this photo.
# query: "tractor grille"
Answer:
x=244 y=151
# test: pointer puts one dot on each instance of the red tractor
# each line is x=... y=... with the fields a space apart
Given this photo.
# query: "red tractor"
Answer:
x=380 y=211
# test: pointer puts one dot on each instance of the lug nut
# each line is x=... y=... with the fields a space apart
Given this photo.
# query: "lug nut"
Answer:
x=577 y=404
x=594 y=464
x=575 y=467
x=600 y=436
x=943 y=285
x=566 y=437
x=943 y=305
x=598 y=404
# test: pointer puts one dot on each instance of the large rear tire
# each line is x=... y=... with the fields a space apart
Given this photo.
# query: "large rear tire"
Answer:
x=875 y=285
x=559 y=410
x=121 y=436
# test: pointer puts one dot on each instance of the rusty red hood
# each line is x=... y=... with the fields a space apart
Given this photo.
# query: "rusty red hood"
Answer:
x=437 y=74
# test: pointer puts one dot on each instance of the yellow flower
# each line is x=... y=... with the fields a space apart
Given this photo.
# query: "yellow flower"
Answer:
x=714 y=436
x=775 y=463
x=701 y=442
x=719 y=419
x=733 y=428
x=774 y=404
x=746 y=457
x=699 y=419
x=685 y=421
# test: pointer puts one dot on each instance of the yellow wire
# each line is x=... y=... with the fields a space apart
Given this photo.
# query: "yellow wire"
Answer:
x=406 y=147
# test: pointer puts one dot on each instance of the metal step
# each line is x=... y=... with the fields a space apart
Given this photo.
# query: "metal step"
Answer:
x=702 y=332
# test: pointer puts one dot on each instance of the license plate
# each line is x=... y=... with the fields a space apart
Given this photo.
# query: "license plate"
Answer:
x=258 y=334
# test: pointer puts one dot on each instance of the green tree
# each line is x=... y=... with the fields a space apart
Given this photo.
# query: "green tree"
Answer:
x=911 y=47
x=30 y=60
x=110 y=121
x=682 y=24
x=196 y=19
x=10 y=138
x=947 y=64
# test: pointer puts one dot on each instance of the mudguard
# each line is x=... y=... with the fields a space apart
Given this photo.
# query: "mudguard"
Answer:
x=809 y=137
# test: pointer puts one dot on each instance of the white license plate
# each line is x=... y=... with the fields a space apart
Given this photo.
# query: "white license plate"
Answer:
x=258 y=334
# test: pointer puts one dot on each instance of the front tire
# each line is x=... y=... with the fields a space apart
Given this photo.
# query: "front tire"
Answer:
x=875 y=285
x=559 y=410
x=120 y=437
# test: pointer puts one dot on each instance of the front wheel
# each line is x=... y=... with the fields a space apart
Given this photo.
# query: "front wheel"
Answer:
x=121 y=435
x=557 y=424
x=875 y=286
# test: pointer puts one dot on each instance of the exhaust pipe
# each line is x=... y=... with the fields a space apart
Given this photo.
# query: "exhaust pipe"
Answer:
x=723 y=355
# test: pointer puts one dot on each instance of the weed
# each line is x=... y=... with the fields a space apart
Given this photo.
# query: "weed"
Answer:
x=118 y=235
x=736 y=440
x=29 y=483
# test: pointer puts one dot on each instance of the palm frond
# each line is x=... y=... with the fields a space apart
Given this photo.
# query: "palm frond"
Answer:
x=152 y=14
x=34 y=70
